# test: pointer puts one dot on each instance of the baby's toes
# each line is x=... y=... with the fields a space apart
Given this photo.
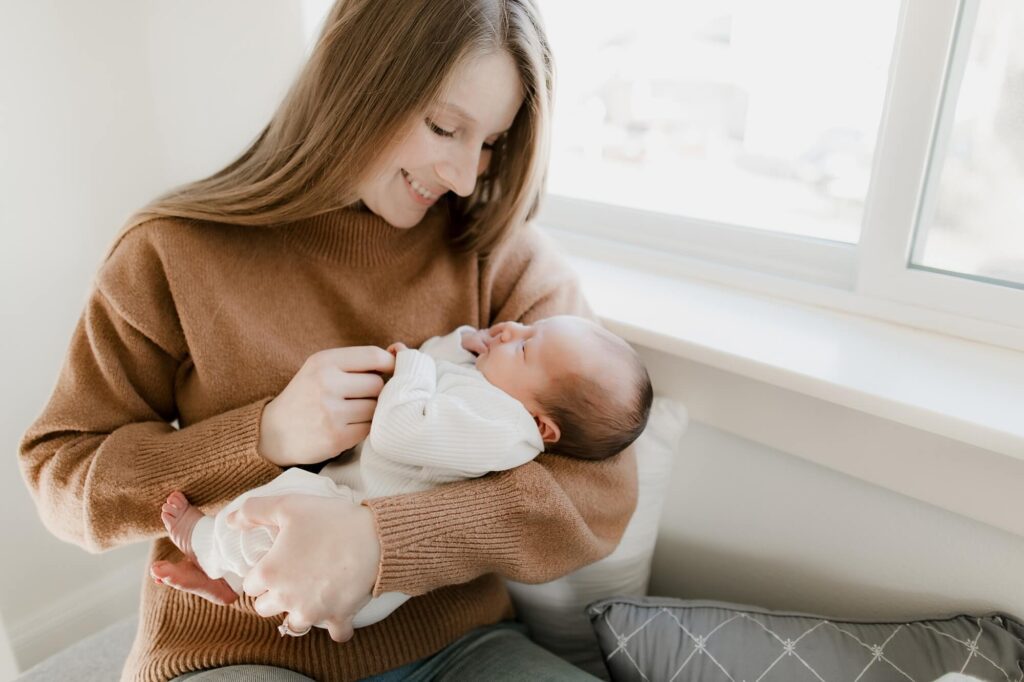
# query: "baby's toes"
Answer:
x=177 y=500
x=161 y=571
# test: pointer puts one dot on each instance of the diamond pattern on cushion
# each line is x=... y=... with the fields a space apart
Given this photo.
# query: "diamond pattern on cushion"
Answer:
x=661 y=639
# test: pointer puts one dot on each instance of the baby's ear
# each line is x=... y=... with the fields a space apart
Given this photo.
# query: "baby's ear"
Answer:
x=549 y=431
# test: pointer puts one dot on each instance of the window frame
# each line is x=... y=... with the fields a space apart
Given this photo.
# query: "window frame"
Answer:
x=873 y=277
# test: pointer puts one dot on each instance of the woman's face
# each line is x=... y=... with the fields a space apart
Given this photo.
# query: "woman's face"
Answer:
x=448 y=147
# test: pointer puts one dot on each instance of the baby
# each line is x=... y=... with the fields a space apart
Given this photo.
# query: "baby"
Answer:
x=461 y=406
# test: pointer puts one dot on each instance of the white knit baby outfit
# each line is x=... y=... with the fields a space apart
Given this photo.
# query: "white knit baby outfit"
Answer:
x=437 y=420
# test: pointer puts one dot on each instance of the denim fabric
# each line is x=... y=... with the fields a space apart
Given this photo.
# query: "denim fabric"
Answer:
x=495 y=652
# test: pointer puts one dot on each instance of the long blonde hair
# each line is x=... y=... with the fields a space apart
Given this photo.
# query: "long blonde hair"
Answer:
x=375 y=65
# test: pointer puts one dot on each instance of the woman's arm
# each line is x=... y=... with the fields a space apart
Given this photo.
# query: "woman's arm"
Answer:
x=103 y=456
x=531 y=524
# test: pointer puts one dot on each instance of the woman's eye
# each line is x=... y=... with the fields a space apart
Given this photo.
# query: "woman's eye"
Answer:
x=438 y=130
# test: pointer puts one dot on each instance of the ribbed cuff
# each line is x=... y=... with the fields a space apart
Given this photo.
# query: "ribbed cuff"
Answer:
x=217 y=458
x=448 y=535
x=412 y=365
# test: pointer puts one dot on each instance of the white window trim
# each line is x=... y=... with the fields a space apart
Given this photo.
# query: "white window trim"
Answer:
x=907 y=154
x=871 y=278
x=804 y=258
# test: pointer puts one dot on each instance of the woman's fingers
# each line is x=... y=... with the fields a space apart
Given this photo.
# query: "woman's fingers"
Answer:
x=340 y=631
x=357 y=359
x=341 y=384
x=266 y=604
x=307 y=422
x=298 y=623
x=322 y=565
x=355 y=433
x=352 y=411
x=256 y=511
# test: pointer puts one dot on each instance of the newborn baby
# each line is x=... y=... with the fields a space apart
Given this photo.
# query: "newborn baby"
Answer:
x=461 y=406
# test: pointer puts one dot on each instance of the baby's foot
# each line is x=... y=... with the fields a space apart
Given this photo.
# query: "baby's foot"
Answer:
x=179 y=518
x=188 y=577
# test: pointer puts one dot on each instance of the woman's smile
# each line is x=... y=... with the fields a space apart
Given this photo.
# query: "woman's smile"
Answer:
x=419 y=193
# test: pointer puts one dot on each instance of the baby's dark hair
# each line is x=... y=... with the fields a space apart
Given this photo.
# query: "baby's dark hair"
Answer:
x=597 y=420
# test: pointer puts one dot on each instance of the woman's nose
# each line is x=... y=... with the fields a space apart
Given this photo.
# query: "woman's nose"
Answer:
x=460 y=171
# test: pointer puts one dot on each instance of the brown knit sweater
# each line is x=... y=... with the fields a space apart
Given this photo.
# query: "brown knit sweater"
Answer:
x=204 y=323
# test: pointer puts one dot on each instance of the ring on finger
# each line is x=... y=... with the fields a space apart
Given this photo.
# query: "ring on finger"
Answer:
x=285 y=629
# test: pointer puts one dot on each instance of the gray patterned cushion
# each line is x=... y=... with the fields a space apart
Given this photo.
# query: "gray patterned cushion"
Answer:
x=662 y=639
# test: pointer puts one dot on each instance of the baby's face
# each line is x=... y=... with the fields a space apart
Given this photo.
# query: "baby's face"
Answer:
x=523 y=359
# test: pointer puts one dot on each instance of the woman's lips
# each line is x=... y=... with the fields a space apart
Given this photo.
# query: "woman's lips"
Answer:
x=415 y=194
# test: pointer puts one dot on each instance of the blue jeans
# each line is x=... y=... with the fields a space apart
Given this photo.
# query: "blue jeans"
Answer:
x=494 y=652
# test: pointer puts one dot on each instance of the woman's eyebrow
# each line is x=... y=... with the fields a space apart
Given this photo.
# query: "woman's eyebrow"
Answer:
x=459 y=111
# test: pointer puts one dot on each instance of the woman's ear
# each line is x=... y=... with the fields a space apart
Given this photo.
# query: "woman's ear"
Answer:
x=549 y=431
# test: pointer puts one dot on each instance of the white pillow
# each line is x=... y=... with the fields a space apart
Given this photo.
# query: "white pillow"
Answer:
x=555 y=612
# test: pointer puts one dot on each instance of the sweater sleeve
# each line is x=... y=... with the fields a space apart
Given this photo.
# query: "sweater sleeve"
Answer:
x=103 y=455
x=463 y=426
x=535 y=522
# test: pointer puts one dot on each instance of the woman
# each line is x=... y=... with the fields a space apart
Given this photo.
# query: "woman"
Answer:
x=386 y=200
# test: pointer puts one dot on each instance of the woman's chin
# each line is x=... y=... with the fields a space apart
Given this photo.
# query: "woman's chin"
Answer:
x=406 y=218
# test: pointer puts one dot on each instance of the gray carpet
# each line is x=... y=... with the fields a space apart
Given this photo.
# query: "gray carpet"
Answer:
x=98 y=658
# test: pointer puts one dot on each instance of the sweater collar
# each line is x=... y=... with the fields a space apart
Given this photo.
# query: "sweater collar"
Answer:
x=360 y=238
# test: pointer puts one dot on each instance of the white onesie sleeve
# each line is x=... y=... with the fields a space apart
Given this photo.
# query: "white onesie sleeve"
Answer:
x=464 y=425
x=449 y=348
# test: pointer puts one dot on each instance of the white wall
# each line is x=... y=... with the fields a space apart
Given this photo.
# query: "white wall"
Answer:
x=103 y=105
x=750 y=519
x=753 y=525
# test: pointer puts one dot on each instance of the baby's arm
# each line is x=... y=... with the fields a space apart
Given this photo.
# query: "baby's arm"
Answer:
x=468 y=426
x=450 y=347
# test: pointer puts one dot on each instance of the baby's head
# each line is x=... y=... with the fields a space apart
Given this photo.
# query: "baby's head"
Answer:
x=586 y=388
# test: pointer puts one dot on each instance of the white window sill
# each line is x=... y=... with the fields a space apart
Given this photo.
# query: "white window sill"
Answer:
x=964 y=390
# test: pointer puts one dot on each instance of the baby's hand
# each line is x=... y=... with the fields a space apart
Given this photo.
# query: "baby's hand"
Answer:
x=396 y=347
x=476 y=341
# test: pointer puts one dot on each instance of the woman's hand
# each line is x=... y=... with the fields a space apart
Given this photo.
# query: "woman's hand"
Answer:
x=322 y=566
x=327 y=406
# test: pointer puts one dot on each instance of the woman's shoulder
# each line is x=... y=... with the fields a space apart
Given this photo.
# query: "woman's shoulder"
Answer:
x=148 y=262
x=159 y=246
x=528 y=251
x=168 y=234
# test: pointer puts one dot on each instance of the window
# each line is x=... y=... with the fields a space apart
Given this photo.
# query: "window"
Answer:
x=972 y=219
x=733 y=112
x=873 y=148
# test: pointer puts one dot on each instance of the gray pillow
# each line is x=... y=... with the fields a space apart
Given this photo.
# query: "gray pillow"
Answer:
x=659 y=638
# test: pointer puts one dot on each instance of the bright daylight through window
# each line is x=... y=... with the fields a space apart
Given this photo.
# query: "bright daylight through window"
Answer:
x=758 y=114
x=973 y=222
